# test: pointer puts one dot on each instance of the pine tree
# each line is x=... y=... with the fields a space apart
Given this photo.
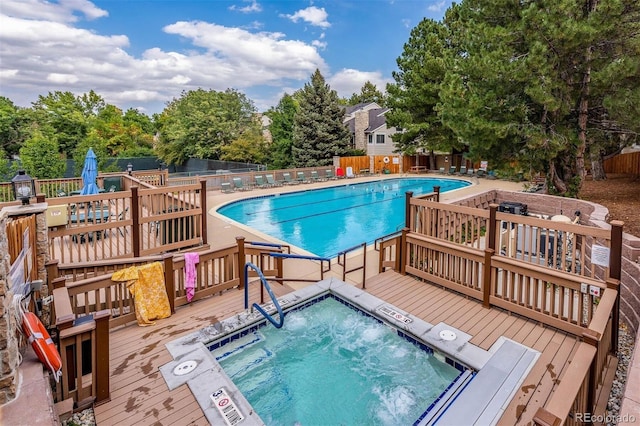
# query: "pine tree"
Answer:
x=318 y=130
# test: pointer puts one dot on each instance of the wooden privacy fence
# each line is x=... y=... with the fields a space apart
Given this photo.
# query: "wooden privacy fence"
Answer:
x=628 y=163
x=563 y=275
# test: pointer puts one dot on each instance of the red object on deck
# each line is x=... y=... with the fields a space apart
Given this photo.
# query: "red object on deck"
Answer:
x=339 y=172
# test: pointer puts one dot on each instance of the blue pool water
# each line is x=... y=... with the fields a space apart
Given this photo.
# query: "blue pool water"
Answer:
x=331 y=364
x=329 y=220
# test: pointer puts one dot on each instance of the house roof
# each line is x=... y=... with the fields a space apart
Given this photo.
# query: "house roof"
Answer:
x=377 y=119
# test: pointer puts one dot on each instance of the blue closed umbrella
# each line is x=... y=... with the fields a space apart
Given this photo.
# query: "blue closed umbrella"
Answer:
x=90 y=174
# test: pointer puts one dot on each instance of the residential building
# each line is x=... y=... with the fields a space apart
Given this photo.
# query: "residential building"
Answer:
x=368 y=127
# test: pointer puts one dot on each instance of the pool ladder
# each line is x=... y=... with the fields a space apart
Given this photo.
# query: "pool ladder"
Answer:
x=263 y=280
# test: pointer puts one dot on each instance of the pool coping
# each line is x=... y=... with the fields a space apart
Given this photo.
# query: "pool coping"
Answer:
x=500 y=370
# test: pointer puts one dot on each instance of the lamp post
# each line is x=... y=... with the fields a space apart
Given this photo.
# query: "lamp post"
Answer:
x=23 y=187
x=129 y=168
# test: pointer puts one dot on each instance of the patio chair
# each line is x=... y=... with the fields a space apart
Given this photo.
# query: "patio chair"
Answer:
x=225 y=187
x=441 y=170
x=350 y=172
x=61 y=193
x=315 y=177
x=471 y=172
x=300 y=177
x=329 y=175
x=462 y=171
x=452 y=170
x=120 y=217
x=260 y=183
x=237 y=184
x=481 y=173
x=271 y=181
x=287 y=179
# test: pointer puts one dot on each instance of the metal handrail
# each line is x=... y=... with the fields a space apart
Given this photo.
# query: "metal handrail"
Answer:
x=264 y=283
x=342 y=261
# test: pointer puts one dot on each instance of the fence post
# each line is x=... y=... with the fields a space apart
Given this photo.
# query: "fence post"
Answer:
x=486 y=278
x=135 y=227
x=403 y=252
x=169 y=282
x=436 y=189
x=407 y=208
x=203 y=208
x=102 y=355
x=241 y=260
x=615 y=272
x=492 y=229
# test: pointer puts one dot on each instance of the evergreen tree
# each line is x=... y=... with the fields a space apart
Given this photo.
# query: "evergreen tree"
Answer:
x=368 y=93
x=414 y=96
x=318 y=132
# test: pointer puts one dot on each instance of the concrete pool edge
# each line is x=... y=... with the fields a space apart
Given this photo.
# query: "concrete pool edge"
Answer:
x=498 y=375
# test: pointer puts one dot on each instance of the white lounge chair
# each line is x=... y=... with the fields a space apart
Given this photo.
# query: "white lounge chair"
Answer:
x=349 y=173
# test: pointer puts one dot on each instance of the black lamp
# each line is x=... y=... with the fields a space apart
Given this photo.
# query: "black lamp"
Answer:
x=129 y=168
x=24 y=186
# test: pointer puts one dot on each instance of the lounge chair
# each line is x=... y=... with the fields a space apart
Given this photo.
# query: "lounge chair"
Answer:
x=286 y=176
x=225 y=187
x=441 y=170
x=462 y=171
x=237 y=184
x=302 y=178
x=452 y=170
x=260 y=183
x=339 y=173
x=271 y=181
x=471 y=172
x=329 y=175
x=315 y=177
x=350 y=172
x=481 y=173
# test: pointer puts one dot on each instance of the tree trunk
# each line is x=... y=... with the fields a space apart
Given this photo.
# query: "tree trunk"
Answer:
x=597 y=167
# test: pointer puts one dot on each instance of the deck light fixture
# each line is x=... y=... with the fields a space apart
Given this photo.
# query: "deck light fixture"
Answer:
x=23 y=187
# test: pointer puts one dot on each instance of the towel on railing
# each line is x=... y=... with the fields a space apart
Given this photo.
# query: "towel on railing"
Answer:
x=146 y=284
x=190 y=274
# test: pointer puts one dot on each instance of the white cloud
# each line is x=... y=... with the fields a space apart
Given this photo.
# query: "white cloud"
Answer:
x=349 y=81
x=437 y=7
x=253 y=7
x=313 y=15
x=50 y=54
x=57 y=12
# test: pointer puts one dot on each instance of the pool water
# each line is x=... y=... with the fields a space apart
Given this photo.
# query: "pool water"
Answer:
x=332 y=364
x=329 y=220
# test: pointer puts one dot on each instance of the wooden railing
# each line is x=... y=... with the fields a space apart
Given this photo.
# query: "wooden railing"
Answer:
x=140 y=221
x=563 y=275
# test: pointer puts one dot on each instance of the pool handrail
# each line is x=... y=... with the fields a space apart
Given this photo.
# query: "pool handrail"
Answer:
x=303 y=256
x=264 y=244
x=342 y=261
x=264 y=283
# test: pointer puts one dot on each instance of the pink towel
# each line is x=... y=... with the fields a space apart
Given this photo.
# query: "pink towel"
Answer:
x=190 y=260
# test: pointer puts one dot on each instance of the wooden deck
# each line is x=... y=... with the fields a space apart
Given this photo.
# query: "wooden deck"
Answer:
x=139 y=394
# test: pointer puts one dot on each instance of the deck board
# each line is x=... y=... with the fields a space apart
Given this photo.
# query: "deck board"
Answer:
x=140 y=396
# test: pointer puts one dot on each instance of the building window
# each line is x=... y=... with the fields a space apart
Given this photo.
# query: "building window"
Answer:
x=379 y=139
x=370 y=138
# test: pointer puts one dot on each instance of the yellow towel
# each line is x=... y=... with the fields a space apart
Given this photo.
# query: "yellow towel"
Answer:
x=146 y=284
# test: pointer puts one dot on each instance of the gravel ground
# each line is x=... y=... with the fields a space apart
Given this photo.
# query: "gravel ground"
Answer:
x=625 y=352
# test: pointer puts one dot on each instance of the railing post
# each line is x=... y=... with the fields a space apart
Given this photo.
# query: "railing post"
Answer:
x=593 y=338
x=436 y=189
x=407 y=208
x=364 y=264
x=203 y=208
x=169 y=282
x=102 y=355
x=403 y=253
x=241 y=260
x=486 y=278
x=135 y=227
x=615 y=272
x=491 y=231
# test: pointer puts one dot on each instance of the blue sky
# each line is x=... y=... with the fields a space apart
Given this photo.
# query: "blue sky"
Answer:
x=144 y=53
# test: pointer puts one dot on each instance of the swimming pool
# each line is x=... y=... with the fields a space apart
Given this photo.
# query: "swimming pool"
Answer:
x=326 y=221
x=332 y=364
